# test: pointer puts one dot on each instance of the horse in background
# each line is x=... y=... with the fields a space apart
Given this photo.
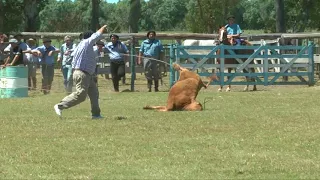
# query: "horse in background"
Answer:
x=223 y=38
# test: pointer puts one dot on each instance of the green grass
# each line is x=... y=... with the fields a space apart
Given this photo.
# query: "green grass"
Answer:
x=269 y=134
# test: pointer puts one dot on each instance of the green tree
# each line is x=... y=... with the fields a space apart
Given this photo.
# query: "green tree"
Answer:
x=170 y=15
x=134 y=15
x=206 y=16
x=1 y=16
x=63 y=16
x=280 y=22
x=12 y=15
x=259 y=15
x=31 y=13
x=121 y=15
x=95 y=15
x=148 y=10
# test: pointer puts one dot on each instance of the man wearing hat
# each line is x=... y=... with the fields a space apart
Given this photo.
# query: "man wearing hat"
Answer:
x=99 y=50
x=46 y=60
x=16 y=56
x=234 y=30
x=65 y=55
x=118 y=52
x=152 y=52
x=22 y=45
x=3 y=45
x=84 y=65
x=32 y=63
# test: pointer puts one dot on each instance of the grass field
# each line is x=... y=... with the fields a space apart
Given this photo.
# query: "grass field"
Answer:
x=268 y=134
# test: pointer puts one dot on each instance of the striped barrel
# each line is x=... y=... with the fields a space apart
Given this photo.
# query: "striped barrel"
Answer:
x=14 y=82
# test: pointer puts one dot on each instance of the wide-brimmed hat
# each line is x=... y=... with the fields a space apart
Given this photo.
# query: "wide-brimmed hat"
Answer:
x=114 y=35
x=99 y=42
x=151 y=32
x=13 y=40
x=46 y=40
x=230 y=17
x=17 y=34
x=31 y=40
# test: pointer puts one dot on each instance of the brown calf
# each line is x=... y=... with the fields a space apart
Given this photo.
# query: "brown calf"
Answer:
x=183 y=94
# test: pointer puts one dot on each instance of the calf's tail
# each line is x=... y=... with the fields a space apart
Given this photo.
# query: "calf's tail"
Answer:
x=154 y=107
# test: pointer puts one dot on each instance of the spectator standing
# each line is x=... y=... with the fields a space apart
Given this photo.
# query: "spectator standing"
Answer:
x=151 y=50
x=65 y=55
x=16 y=55
x=32 y=64
x=46 y=60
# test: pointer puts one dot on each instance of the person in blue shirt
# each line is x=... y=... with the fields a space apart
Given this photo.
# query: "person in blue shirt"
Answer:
x=32 y=64
x=46 y=60
x=118 y=53
x=151 y=50
x=100 y=50
x=234 y=31
x=65 y=56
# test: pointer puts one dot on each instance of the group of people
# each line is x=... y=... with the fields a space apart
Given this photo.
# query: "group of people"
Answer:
x=84 y=67
x=21 y=53
x=79 y=63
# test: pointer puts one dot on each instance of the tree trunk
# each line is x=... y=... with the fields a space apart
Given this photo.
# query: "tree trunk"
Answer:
x=1 y=16
x=95 y=15
x=280 y=23
x=134 y=16
x=201 y=12
x=31 y=13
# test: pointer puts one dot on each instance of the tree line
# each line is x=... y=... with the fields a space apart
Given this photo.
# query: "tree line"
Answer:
x=199 y=16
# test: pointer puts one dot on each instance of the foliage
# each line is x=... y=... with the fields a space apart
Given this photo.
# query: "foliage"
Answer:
x=148 y=13
x=203 y=16
x=206 y=16
x=13 y=15
x=302 y=14
x=170 y=14
x=134 y=16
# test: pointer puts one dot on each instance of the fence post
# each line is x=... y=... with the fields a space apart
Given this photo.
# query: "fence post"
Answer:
x=265 y=62
x=222 y=56
x=172 y=56
x=133 y=63
x=311 y=63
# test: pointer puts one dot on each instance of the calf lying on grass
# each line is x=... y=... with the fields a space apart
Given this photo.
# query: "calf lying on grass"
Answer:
x=183 y=94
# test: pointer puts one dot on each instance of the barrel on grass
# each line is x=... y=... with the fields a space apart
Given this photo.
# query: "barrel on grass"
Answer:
x=2 y=82
x=14 y=84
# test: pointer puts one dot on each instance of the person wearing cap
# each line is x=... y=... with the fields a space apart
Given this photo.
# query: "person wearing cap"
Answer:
x=16 y=55
x=151 y=50
x=65 y=55
x=118 y=53
x=84 y=65
x=22 y=45
x=46 y=60
x=3 y=45
x=234 y=31
x=32 y=63
x=100 y=50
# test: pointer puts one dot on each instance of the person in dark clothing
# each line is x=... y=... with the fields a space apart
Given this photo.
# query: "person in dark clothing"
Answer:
x=118 y=55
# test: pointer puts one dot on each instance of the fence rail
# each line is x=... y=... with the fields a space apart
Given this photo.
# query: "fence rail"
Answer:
x=288 y=66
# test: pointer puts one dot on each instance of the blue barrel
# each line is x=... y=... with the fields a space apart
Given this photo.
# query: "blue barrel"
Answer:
x=14 y=82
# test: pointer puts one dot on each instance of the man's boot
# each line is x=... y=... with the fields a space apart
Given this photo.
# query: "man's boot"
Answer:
x=115 y=84
x=34 y=83
x=29 y=84
x=149 y=85
x=156 y=85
